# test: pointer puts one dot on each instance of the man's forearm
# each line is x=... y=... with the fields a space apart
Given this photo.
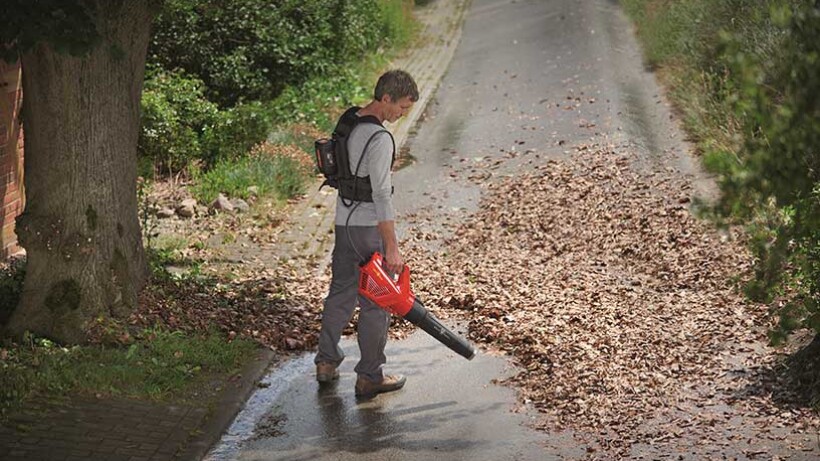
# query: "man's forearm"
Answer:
x=387 y=229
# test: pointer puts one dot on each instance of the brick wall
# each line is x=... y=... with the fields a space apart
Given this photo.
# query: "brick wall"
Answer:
x=11 y=156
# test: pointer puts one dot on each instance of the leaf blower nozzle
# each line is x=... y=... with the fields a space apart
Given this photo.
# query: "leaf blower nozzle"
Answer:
x=396 y=297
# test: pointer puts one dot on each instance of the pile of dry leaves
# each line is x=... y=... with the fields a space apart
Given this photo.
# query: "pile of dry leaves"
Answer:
x=268 y=307
x=618 y=305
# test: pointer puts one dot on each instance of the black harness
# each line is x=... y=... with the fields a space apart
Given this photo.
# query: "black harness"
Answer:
x=351 y=186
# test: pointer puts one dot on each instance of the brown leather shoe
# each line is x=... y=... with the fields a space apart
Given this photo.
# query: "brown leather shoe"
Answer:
x=326 y=372
x=368 y=389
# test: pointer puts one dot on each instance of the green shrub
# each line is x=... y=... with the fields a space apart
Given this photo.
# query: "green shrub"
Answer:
x=262 y=62
x=179 y=125
x=235 y=131
x=776 y=97
x=247 y=50
x=310 y=101
x=174 y=115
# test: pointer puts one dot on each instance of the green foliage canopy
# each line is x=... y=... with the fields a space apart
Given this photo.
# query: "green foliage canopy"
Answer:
x=252 y=49
x=67 y=24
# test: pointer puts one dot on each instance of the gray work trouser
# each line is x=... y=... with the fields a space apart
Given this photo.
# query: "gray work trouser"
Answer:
x=341 y=302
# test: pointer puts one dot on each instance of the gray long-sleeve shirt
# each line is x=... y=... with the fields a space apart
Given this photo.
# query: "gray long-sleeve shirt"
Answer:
x=376 y=164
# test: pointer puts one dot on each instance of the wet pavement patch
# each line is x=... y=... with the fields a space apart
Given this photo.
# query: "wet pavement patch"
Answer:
x=270 y=426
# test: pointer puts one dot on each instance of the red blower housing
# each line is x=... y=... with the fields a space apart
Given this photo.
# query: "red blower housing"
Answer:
x=396 y=297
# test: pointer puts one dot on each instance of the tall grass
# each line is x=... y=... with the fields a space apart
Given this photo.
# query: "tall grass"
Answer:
x=276 y=176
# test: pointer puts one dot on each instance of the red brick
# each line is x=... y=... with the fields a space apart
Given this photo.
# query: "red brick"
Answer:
x=11 y=154
x=10 y=211
x=11 y=206
x=8 y=235
x=7 y=177
x=8 y=222
x=11 y=195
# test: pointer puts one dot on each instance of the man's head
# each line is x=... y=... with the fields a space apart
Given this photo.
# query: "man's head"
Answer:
x=396 y=91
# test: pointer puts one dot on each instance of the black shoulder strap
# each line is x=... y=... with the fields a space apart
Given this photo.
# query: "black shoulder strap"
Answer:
x=349 y=176
x=347 y=121
x=367 y=144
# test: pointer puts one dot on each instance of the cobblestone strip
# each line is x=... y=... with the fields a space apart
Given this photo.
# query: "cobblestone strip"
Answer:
x=92 y=430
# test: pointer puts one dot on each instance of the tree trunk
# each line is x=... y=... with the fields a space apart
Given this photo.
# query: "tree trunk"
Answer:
x=80 y=227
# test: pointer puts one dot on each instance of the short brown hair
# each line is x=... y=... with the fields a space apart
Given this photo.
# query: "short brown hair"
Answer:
x=398 y=84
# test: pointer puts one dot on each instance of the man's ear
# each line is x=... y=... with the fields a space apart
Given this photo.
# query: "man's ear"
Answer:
x=386 y=98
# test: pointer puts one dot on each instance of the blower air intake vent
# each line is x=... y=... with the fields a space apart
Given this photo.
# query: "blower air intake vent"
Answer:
x=372 y=287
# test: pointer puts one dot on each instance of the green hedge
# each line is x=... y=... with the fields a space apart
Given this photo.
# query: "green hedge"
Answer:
x=175 y=113
x=179 y=125
x=744 y=73
x=247 y=50
x=223 y=73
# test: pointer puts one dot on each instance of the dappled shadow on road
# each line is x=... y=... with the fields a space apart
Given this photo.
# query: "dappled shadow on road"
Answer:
x=792 y=382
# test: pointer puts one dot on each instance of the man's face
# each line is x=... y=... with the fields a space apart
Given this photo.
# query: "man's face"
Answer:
x=397 y=109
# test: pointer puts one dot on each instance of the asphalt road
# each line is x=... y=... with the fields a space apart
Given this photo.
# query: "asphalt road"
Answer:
x=536 y=76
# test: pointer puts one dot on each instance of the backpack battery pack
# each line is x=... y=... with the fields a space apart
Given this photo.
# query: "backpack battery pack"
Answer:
x=326 y=156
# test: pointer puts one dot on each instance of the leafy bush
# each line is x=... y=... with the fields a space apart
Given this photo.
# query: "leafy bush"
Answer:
x=235 y=131
x=310 y=101
x=745 y=74
x=776 y=97
x=175 y=113
x=179 y=125
x=263 y=62
x=247 y=50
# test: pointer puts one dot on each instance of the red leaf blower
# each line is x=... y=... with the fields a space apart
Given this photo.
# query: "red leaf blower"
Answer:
x=395 y=297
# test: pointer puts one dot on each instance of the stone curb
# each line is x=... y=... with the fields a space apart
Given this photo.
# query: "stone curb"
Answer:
x=231 y=401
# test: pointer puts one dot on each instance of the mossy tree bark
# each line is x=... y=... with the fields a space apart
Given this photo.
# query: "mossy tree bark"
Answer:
x=80 y=227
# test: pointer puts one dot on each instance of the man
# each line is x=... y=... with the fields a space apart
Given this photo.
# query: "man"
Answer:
x=362 y=228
